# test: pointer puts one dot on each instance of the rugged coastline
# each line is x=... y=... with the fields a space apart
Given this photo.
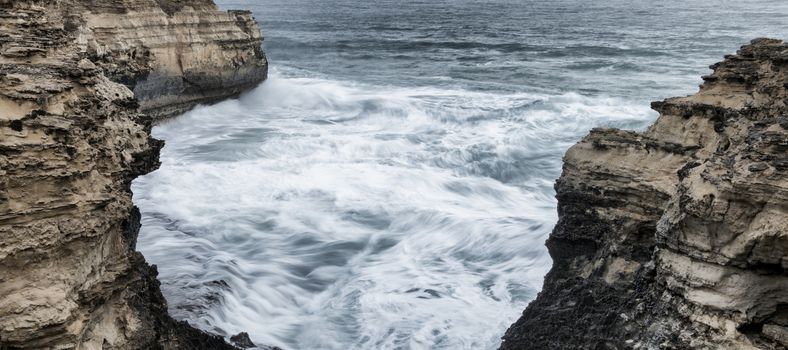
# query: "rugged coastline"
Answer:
x=675 y=238
x=81 y=81
x=670 y=238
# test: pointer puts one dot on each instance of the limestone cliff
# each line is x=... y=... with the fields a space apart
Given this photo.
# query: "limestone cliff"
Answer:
x=173 y=54
x=74 y=75
x=676 y=237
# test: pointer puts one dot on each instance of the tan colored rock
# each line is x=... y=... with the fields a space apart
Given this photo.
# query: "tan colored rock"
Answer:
x=676 y=237
x=71 y=141
x=188 y=52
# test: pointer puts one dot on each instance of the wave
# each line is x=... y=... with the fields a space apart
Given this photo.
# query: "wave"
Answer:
x=315 y=213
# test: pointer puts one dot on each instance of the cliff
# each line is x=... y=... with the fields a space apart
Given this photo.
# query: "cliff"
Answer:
x=676 y=237
x=173 y=54
x=75 y=76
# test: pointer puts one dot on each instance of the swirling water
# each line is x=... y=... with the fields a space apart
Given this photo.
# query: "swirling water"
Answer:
x=390 y=186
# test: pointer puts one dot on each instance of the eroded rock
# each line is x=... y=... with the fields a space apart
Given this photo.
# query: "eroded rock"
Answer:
x=676 y=237
x=72 y=139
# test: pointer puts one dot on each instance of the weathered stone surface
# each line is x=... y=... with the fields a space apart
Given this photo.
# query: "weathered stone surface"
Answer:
x=172 y=54
x=184 y=52
x=676 y=237
x=71 y=141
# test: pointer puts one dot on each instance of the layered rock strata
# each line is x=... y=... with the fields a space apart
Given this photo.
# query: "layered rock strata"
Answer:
x=182 y=53
x=74 y=75
x=676 y=237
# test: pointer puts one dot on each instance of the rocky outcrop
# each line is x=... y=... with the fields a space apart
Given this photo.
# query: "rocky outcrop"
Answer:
x=74 y=75
x=676 y=237
x=182 y=53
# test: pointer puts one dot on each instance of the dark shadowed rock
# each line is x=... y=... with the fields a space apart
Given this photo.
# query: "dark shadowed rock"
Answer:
x=676 y=237
x=242 y=340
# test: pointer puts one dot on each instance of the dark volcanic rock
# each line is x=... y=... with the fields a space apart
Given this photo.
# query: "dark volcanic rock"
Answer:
x=242 y=340
x=676 y=237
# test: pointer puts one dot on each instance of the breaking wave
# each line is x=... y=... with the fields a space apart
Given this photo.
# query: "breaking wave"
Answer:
x=321 y=214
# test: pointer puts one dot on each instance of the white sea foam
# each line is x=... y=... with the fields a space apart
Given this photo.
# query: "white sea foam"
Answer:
x=345 y=216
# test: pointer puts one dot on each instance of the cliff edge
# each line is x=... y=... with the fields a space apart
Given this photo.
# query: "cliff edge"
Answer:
x=676 y=237
x=75 y=76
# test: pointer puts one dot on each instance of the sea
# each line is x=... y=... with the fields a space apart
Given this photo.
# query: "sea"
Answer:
x=390 y=186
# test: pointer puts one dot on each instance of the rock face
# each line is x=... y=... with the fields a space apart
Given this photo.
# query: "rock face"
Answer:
x=676 y=237
x=183 y=52
x=72 y=139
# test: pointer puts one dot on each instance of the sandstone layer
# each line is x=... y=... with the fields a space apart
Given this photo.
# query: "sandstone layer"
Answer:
x=173 y=54
x=74 y=77
x=676 y=237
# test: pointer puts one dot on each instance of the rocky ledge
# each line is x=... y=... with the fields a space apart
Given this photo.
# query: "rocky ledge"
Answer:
x=676 y=237
x=79 y=80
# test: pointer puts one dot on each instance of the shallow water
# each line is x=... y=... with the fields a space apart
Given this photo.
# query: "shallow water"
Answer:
x=390 y=186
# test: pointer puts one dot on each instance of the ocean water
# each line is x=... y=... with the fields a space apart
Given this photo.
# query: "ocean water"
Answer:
x=390 y=185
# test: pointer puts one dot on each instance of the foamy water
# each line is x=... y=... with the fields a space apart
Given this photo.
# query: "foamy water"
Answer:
x=390 y=186
x=347 y=215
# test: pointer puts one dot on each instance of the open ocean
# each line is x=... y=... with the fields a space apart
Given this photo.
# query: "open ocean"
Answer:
x=390 y=185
